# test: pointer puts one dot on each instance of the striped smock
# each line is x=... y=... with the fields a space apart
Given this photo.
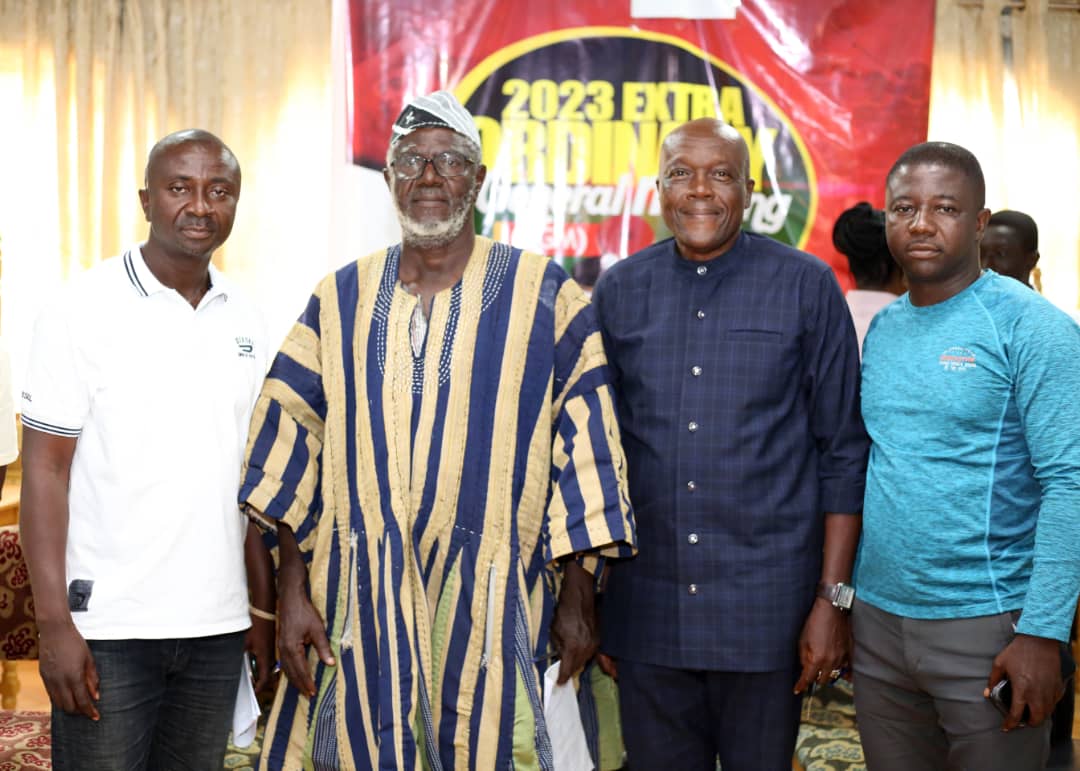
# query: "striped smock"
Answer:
x=431 y=495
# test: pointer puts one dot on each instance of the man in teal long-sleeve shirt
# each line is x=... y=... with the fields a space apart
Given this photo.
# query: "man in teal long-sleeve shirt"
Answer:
x=969 y=566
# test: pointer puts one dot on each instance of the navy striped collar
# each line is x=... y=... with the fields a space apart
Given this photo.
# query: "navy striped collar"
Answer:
x=145 y=282
x=137 y=271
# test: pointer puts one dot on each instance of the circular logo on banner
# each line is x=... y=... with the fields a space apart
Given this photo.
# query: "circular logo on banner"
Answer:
x=571 y=124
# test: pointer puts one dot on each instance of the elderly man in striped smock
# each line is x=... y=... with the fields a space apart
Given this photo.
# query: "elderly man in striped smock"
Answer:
x=436 y=450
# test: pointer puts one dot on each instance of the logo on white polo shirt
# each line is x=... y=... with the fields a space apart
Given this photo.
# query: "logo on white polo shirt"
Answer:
x=957 y=359
x=245 y=347
x=79 y=592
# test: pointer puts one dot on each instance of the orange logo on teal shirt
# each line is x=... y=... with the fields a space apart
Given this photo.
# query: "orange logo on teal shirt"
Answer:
x=957 y=359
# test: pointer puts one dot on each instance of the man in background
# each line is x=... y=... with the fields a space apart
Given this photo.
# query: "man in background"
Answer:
x=436 y=450
x=138 y=394
x=736 y=377
x=1010 y=245
x=969 y=566
x=859 y=234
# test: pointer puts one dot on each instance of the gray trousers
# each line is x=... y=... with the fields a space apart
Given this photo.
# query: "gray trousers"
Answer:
x=919 y=695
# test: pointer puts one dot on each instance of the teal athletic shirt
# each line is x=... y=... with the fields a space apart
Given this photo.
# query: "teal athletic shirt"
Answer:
x=973 y=490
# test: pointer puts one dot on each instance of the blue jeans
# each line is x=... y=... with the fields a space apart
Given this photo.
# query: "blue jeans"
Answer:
x=165 y=705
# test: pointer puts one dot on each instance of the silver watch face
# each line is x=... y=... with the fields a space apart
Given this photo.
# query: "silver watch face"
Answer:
x=844 y=596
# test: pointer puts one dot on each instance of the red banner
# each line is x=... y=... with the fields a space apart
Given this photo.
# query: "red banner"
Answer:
x=573 y=101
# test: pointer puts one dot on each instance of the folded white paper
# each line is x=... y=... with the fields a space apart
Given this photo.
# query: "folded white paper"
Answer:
x=246 y=711
x=564 y=724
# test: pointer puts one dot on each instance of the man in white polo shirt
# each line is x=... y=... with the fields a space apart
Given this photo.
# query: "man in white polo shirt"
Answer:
x=140 y=385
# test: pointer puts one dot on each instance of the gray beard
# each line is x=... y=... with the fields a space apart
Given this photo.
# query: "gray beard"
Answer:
x=435 y=235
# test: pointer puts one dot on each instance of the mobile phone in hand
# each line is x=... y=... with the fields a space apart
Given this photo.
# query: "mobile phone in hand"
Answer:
x=1001 y=698
x=1001 y=694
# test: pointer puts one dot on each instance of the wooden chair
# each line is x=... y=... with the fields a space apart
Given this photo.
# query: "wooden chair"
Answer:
x=14 y=588
x=18 y=630
x=24 y=736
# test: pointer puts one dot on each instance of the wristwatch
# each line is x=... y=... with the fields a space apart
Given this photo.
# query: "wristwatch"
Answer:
x=840 y=595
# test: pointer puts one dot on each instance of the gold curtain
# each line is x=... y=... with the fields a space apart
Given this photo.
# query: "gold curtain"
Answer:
x=1022 y=121
x=87 y=87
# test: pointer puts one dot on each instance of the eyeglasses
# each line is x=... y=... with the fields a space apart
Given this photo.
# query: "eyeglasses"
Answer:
x=447 y=164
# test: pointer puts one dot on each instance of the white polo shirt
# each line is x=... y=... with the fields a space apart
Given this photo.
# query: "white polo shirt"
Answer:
x=159 y=395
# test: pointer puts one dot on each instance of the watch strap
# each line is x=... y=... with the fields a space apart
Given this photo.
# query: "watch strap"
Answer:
x=840 y=595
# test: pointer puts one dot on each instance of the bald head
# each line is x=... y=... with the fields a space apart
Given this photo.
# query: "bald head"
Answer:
x=192 y=187
x=190 y=137
x=707 y=129
x=704 y=187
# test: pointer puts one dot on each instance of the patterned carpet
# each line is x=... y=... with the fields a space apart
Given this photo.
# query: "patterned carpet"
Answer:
x=24 y=740
x=240 y=759
x=828 y=738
